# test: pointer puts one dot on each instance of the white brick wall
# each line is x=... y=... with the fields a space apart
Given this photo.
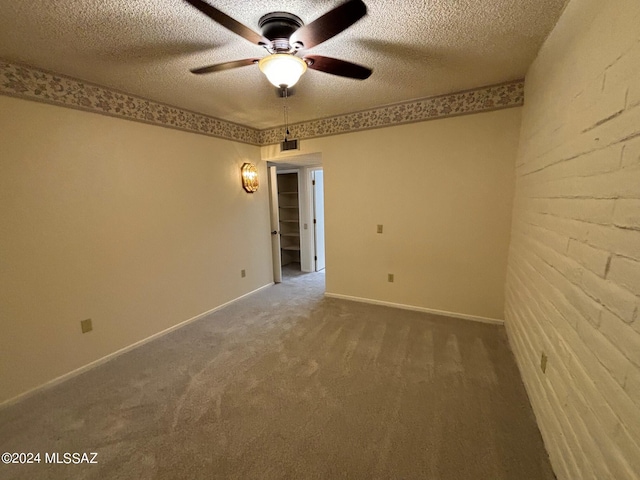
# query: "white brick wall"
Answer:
x=573 y=281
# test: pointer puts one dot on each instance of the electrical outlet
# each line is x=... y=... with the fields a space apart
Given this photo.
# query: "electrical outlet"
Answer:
x=390 y=278
x=86 y=325
x=543 y=363
x=379 y=230
x=243 y=273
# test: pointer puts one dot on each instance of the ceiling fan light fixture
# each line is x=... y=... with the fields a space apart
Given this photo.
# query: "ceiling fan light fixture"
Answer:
x=282 y=69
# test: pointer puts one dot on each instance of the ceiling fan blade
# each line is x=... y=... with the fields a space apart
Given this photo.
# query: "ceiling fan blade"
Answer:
x=338 y=67
x=228 y=22
x=329 y=24
x=225 y=66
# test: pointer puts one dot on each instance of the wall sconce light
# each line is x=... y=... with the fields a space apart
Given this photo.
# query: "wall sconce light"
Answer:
x=250 y=177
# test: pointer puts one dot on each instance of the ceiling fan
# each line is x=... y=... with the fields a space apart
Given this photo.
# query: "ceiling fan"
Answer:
x=285 y=36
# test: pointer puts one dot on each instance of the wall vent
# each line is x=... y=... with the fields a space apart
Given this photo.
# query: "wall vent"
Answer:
x=289 y=145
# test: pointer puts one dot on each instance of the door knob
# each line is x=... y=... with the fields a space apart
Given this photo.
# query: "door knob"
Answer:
x=275 y=232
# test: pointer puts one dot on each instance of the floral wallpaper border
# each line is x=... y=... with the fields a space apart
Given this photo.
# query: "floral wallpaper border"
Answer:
x=34 y=84
x=495 y=97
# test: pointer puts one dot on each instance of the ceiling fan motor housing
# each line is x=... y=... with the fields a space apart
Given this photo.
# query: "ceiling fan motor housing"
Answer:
x=278 y=27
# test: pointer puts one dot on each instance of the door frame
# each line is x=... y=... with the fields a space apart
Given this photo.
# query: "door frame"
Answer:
x=303 y=164
x=314 y=217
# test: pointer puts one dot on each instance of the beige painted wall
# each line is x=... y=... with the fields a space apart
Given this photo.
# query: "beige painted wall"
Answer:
x=134 y=226
x=442 y=191
x=573 y=288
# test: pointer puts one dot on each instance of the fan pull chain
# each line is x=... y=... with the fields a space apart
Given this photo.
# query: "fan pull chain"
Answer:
x=286 y=115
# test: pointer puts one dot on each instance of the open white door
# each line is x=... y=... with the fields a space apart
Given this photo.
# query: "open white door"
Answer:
x=275 y=225
x=318 y=218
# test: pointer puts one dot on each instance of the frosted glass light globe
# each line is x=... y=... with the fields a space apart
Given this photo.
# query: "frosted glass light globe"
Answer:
x=282 y=69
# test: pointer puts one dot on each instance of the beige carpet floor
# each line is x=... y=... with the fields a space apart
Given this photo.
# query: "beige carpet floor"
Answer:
x=287 y=384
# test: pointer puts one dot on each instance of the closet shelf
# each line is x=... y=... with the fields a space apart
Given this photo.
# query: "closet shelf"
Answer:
x=289 y=208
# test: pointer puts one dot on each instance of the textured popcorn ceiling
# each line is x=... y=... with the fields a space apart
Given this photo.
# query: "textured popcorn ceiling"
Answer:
x=146 y=47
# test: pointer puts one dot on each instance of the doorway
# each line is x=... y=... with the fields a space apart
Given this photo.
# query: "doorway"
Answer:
x=289 y=215
x=297 y=218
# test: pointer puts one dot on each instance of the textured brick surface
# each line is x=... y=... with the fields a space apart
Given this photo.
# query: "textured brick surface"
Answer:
x=573 y=281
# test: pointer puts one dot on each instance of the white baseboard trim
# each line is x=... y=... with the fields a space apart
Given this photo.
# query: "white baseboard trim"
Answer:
x=100 y=361
x=414 y=308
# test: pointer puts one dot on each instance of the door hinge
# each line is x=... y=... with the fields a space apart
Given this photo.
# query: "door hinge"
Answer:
x=315 y=258
x=314 y=221
x=313 y=182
